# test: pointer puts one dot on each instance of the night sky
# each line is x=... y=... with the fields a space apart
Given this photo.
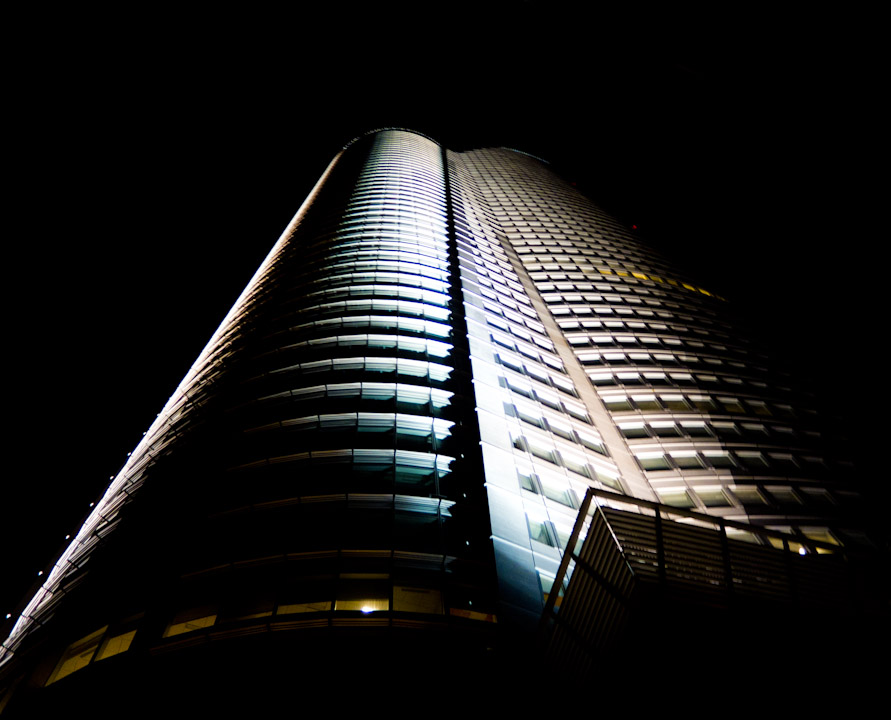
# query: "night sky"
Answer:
x=153 y=168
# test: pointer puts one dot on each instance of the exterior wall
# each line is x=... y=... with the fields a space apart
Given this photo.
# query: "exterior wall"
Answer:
x=311 y=468
x=673 y=401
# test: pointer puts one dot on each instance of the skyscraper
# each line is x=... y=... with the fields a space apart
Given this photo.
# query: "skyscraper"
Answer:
x=387 y=441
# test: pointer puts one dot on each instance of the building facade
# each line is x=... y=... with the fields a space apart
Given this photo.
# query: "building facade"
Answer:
x=391 y=433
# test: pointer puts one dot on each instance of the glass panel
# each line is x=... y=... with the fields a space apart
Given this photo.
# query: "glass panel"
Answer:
x=686 y=460
x=417 y=600
x=115 y=645
x=538 y=531
x=653 y=461
x=677 y=498
x=187 y=626
x=712 y=497
x=78 y=655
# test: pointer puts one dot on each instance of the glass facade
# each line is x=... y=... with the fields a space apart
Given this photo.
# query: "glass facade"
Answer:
x=396 y=422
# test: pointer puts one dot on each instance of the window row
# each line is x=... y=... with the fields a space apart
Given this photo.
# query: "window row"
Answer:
x=659 y=359
x=495 y=313
x=631 y=338
x=416 y=396
x=545 y=397
x=536 y=372
x=561 y=428
x=749 y=461
x=402 y=292
x=382 y=322
x=530 y=351
x=682 y=378
x=747 y=496
x=422 y=346
x=541 y=485
x=434 y=372
x=342 y=267
x=401 y=307
x=366 y=422
x=376 y=259
x=577 y=464
x=364 y=470
x=407 y=279
x=694 y=402
x=521 y=332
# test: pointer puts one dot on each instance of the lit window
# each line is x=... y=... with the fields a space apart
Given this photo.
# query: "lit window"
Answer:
x=362 y=596
x=563 y=496
x=617 y=403
x=190 y=622
x=703 y=402
x=696 y=429
x=712 y=497
x=417 y=600
x=115 y=645
x=664 y=429
x=749 y=495
x=633 y=430
x=540 y=532
x=686 y=459
x=752 y=460
x=675 y=402
x=653 y=461
x=731 y=405
x=528 y=481
x=784 y=461
x=646 y=402
x=78 y=655
x=676 y=497
x=784 y=495
x=304 y=607
x=742 y=535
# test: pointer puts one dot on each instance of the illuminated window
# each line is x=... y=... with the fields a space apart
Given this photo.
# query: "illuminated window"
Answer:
x=115 y=644
x=665 y=429
x=784 y=495
x=696 y=428
x=676 y=497
x=540 y=532
x=303 y=607
x=617 y=403
x=417 y=600
x=712 y=497
x=703 y=403
x=686 y=459
x=77 y=656
x=365 y=596
x=633 y=430
x=719 y=459
x=646 y=402
x=675 y=402
x=749 y=495
x=528 y=481
x=752 y=460
x=653 y=461
x=190 y=621
x=731 y=405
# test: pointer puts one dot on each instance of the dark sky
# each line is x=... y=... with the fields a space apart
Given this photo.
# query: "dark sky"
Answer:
x=152 y=168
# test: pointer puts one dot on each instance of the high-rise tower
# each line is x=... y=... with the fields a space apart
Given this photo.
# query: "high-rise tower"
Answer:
x=386 y=443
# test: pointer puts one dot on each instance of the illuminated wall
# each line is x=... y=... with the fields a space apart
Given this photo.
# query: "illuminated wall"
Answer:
x=598 y=363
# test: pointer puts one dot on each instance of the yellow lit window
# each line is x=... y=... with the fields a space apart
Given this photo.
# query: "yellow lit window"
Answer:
x=78 y=655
